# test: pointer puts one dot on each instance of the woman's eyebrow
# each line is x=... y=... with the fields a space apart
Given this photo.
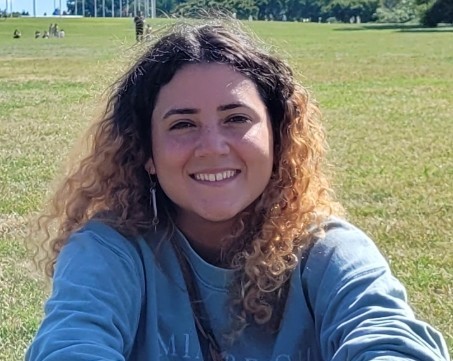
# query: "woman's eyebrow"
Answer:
x=231 y=106
x=195 y=110
x=180 y=111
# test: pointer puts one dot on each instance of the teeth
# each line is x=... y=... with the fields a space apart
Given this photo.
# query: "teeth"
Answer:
x=215 y=177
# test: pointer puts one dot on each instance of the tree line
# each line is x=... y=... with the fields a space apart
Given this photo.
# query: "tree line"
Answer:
x=428 y=12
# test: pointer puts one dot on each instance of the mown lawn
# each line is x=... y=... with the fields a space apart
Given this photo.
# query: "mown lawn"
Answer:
x=387 y=97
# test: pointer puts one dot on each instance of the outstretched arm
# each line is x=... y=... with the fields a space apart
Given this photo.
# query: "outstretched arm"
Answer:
x=360 y=309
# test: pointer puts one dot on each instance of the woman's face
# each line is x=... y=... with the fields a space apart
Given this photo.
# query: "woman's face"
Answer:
x=212 y=143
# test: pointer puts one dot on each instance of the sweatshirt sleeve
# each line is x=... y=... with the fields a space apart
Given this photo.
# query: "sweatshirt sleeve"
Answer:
x=360 y=310
x=94 y=309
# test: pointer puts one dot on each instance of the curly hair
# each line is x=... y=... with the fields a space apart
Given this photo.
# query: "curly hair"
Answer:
x=269 y=236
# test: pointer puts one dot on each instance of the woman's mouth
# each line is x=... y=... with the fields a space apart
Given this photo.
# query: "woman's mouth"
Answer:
x=215 y=176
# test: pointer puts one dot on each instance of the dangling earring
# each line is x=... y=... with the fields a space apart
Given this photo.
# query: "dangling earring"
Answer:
x=152 y=202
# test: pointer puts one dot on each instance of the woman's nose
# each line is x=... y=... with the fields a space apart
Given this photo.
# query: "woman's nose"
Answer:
x=211 y=142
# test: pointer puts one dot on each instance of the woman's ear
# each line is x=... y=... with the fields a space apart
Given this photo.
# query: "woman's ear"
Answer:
x=149 y=166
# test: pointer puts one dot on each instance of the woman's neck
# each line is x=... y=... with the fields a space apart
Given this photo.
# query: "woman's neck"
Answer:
x=205 y=237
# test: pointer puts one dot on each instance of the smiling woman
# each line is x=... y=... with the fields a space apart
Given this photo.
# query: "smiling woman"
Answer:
x=212 y=150
x=202 y=226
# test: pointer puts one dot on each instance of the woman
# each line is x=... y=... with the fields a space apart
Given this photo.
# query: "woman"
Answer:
x=202 y=226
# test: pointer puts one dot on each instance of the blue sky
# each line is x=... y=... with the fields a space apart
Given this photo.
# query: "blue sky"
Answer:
x=42 y=6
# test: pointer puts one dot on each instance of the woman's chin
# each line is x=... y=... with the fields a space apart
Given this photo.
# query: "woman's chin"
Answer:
x=219 y=217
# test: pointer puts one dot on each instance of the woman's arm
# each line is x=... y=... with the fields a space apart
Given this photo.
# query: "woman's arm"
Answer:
x=360 y=309
x=94 y=310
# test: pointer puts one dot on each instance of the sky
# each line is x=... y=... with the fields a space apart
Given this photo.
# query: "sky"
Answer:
x=42 y=6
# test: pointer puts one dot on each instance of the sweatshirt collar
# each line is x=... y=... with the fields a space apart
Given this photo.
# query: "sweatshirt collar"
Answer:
x=212 y=276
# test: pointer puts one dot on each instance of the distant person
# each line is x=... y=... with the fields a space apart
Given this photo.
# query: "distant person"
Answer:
x=55 y=31
x=61 y=33
x=139 y=21
x=37 y=34
x=17 y=34
x=45 y=35
x=148 y=30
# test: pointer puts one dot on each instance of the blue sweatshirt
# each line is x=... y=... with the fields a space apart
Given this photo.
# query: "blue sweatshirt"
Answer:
x=114 y=299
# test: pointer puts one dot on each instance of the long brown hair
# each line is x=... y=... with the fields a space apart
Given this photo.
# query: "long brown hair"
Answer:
x=112 y=177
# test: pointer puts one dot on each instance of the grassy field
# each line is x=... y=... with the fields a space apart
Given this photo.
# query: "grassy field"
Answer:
x=387 y=97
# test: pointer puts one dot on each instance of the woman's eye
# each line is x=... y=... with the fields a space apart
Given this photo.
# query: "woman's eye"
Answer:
x=238 y=119
x=181 y=125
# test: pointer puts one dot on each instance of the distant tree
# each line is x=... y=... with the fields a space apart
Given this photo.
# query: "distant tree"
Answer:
x=166 y=7
x=343 y=10
x=263 y=11
x=441 y=11
x=397 y=11
x=276 y=8
x=304 y=9
x=196 y=8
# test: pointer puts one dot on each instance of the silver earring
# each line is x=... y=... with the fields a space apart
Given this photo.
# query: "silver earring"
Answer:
x=152 y=201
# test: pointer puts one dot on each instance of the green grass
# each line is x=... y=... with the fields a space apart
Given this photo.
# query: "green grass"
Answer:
x=386 y=94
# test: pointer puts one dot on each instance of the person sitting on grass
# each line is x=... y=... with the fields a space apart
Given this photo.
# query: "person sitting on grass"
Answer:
x=148 y=30
x=17 y=34
x=201 y=224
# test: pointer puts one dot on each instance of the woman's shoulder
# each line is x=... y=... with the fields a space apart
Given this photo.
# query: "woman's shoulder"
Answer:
x=96 y=235
x=99 y=241
x=342 y=251
x=343 y=242
x=102 y=241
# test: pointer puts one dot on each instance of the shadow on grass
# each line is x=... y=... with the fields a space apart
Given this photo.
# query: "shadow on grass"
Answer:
x=400 y=28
